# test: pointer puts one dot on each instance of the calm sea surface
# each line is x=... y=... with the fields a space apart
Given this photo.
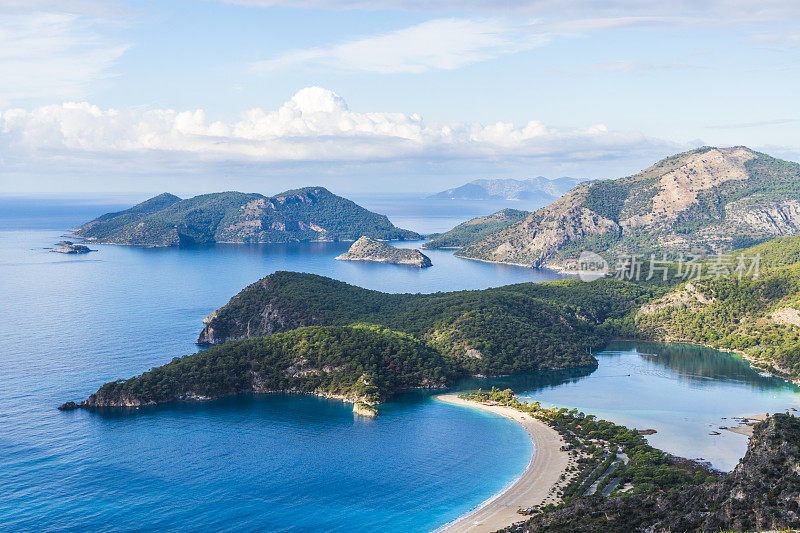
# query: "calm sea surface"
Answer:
x=71 y=323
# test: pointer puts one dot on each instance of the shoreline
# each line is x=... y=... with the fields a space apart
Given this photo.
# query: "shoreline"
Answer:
x=755 y=364
x=532 y=487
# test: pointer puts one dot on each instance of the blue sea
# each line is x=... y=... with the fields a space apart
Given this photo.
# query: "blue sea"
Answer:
x=283 y=463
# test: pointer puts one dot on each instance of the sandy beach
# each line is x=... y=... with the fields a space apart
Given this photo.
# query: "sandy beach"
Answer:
x=746 y=425
x=544 y=471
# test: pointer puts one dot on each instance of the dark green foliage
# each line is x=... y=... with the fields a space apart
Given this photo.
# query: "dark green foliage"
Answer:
x=473 y=230
x=311 y=213
x=738 y=313
x=760 y=495
x=606 y=198
x=498 y=331
x=362 y=362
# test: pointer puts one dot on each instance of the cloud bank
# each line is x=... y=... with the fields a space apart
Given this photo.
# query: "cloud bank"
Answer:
x=315 y=125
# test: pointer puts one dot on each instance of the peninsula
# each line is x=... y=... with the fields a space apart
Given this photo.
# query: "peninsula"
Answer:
x=475 y=229
x=492 y=332
x=367 y=249
x=303 y=333
x=307 y=214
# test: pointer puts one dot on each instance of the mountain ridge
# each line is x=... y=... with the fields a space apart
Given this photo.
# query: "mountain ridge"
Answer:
x=509 y=189
x=306 y=214
x=696 y=201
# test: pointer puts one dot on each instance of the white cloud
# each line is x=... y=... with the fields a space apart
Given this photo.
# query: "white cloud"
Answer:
x=52 y=55
x=314 y=126
x=436 y=44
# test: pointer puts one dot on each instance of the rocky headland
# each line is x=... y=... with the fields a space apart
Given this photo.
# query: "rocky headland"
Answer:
x=68 y=247
x=367 y=249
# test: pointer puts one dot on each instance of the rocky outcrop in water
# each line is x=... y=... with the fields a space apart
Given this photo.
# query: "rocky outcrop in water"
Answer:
x=367 y=249
x=68 y=247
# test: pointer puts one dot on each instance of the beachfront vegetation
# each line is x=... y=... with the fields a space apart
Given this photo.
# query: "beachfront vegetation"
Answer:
x=759 y=495
x=598 y=442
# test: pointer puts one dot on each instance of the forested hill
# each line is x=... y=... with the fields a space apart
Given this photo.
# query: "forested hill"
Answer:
x=499 y=331
x=473 y=230
x=308 y=214
x=304 y=333
x=359 y=364
x=757 y=315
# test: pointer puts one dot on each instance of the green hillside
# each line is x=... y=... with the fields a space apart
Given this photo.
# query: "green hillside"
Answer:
x=473 y=230
x=308 y=214
x=758 y=316
x=499 y=331
x=360 y=363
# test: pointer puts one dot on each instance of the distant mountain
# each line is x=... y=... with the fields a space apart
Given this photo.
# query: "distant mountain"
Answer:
x=704 y=200
x=510 y=189
x=308 y=214
x=473 y=230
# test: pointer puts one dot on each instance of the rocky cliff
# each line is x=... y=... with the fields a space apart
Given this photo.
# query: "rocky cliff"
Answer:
x=366 y=249
x=700 y=200
x=308 y=214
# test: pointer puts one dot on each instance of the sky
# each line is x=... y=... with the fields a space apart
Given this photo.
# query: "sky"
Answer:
x=385 y=95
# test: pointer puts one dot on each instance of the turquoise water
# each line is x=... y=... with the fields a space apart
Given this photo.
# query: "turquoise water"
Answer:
x=686 y=393
x=71 y=323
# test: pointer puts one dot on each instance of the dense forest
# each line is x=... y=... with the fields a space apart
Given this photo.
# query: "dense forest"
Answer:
x=359 y=363
x=311 y=213
x=758 y=316
x=499 y=331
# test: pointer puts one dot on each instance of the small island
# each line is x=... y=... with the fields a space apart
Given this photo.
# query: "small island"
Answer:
x=367 y=249
x=68 y=247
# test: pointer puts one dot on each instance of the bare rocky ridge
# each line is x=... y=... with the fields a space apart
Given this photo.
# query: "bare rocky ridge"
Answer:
x=695 y=201
x=367 y=249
